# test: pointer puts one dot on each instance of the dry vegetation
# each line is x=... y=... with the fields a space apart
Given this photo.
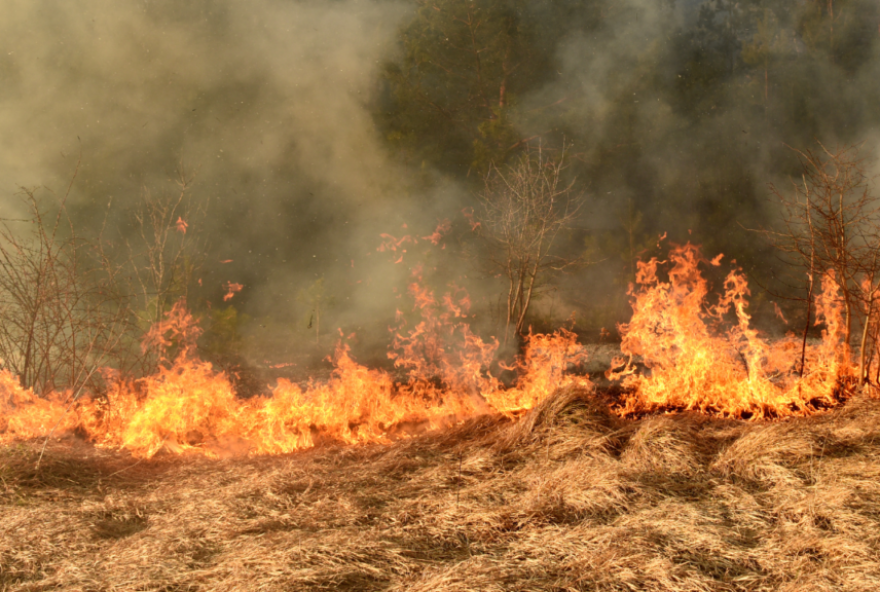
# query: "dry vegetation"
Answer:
x=569 y=498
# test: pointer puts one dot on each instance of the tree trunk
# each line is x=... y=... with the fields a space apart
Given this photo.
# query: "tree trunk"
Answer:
x=862 y=347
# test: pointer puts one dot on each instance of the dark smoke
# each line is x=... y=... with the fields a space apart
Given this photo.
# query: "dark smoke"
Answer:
x=269 y=103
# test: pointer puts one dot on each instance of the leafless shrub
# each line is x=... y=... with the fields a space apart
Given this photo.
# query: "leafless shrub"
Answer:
x=526 y=207
x=831 y=221
x=163 y=257
x=61 y=315
x=71 y=305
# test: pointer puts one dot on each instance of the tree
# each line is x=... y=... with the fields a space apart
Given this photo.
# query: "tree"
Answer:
x=222 y=341
x=845 y=31
x=317 y=300
x=62 y=314
x=526 y=207
x=768 y=41
x=832 y=222
x=165 y=258
x=450 y=98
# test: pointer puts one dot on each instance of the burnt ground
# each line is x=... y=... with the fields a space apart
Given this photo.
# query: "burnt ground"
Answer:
x=568 y=498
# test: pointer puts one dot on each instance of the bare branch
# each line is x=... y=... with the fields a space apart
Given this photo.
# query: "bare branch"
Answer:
x=526 y=208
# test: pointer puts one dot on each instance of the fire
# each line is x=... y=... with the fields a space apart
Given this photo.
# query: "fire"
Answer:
x=442 y=228
x=542 y=369
x=231 y=289
x=356 y=406
x=184 y=405
x=442 y=346
x=25 y=415
x=693 y=363
x=681 y=351
x=188 y=407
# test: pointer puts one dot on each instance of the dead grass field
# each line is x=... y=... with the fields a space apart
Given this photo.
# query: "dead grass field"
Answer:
x=569 y=498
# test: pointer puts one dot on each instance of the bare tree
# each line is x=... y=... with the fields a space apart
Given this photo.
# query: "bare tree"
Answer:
x=526 y=207
x=164 y=256
x=317 y=300
x=164 y=259
x=831 y=221
x=61 y=314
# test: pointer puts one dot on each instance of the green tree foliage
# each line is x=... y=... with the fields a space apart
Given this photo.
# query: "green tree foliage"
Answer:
x=222 y=338
x=844 y=31
x=450 y=99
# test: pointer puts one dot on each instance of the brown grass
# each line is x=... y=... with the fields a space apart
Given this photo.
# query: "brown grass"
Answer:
x=570 y=498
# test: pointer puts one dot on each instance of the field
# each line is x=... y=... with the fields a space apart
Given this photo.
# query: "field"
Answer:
x=568 y=498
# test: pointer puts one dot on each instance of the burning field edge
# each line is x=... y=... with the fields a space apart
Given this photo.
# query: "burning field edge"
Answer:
x=570 y=497
x=680 y=351
x=706 y=457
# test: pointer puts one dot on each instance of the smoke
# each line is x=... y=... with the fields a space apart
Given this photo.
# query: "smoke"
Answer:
x=684 y=111
x=264 y=103
x=692 y=97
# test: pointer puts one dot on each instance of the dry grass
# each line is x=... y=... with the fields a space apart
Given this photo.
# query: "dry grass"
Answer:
x=570 y=498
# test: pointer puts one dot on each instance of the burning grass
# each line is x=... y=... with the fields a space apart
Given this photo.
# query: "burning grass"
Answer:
x=550 y=484
x=188 y=406
x=690 y=360
x=572 y=497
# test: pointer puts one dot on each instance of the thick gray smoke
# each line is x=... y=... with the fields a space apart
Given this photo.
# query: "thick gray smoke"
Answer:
x=267 y=104
x=263 y=102
x=684 y=110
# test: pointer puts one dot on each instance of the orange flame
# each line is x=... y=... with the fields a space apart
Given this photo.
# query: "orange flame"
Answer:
x=231 y=289
x=442 y=347
x=682 y=352
x=25 y=415
x=542 y=369
x=442 y=228
x=693 y=364
x=188 y=407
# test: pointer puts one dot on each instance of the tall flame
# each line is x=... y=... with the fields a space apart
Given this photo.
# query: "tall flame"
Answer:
x=681 y=351
x=695 y=364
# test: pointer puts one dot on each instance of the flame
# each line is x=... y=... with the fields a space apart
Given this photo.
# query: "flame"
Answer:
x=188 y=407
x=442 y=228
x=468 y=213
x=542 y=369
x=442 y=346
x=391 y=243
x=231 y=289
x=25 y=415
x=185 y=406
x=357 y=405
x=682 y=350
x=693 y=364
x=779 y=314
